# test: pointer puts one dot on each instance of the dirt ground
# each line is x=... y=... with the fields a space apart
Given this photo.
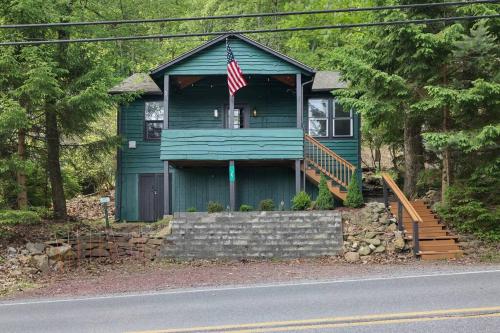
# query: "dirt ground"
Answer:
x=132 y=276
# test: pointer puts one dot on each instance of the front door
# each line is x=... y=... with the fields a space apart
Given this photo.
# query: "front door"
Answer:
x=241 y=117
x=151 y=194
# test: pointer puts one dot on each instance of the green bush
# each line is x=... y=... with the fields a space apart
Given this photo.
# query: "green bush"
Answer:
x=16 y=217
x=301 y=201
x=354 y=196
x=191 y=210
x=266 y=205
x=324 y=201
x=215 y=207
x=246 y=208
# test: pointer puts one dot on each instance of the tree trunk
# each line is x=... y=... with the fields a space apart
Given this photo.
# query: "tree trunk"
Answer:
x=54 y=166
x=22 y=195
x=447 y=163
x=413 y=151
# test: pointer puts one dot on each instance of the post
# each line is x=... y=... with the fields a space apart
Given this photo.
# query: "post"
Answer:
x=166 y=188
x=386 y=195
x=297 y=176
x=230 y=118
x=298 y=87
x=232 y=192
x=400 y=216
x=416 y=238
x=166 y=93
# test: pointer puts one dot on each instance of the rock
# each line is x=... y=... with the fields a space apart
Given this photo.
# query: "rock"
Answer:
x=41 y=262
x=58 y=252
x=11 y=251
x=58 y=266
x=351 y=256
x=392 y=227
x=399 y=243
x=372 y=247
x=355 y=245
x=138 y=240
x=364 y=251
x=35 y=248
x=374 y=241
x=379 y=249
x=164 y=232
x=99 y=252
x=370 y=234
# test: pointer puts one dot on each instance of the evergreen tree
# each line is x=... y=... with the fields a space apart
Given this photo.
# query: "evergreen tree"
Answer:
x=354 y=197
x=324 y=200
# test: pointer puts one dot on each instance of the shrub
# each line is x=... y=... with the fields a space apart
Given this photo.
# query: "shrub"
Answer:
x=324 y=201
x=354 y=196
x=246 y=208
x=214 y=207
x=301 y=201
x=16 y=217
x=266 y=205
x=191 y=210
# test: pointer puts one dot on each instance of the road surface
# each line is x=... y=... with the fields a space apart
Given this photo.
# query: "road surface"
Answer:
x=465 y=301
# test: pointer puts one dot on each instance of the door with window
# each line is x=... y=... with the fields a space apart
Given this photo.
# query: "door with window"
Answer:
x=151 y=197
x=241 y=117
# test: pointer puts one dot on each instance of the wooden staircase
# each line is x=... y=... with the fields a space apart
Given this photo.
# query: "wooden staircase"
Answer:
x=416 y=219
x=319 y=159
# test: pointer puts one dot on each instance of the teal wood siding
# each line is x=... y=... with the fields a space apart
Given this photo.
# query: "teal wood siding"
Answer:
x=251 y=59
x=193 y=107
x=232 y=144
x=195 y=187
x=145 y=158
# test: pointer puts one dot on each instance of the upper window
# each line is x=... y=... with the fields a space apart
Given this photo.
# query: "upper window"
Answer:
x=342 y=121
x=153 y=120
x=327 y=118
x=318 y=114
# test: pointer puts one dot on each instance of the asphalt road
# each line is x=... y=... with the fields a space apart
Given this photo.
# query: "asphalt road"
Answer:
x=448 y=302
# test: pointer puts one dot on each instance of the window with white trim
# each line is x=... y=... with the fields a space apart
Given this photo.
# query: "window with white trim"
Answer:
x=342 y=121
x=153 y=120
x=318 y=114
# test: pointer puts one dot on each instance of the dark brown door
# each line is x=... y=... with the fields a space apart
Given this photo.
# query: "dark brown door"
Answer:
x=151 y=194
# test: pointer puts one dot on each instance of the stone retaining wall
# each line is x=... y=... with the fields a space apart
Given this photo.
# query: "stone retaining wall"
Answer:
x=234 y=235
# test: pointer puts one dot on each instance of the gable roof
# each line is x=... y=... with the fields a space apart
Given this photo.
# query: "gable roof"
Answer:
x=328 y=80
x=156 y=71
x=139 y=82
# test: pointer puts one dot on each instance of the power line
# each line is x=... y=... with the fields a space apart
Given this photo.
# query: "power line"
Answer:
x=253 y=15
x=217 y=33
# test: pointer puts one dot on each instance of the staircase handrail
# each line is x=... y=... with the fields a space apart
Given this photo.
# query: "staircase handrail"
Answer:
x=342 y=178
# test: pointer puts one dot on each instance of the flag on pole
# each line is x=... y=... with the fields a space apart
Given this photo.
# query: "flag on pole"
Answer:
x=235 y=79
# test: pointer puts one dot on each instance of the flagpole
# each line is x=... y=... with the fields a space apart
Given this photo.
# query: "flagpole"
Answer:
x=232 y=171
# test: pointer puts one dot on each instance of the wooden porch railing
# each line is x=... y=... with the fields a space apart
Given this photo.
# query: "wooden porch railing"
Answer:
x=403 y=203
x=326 y=161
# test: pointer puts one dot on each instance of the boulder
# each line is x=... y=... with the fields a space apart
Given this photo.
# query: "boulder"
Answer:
x=392 y=227
x=372 y=247
x=11 y=251
x=99 y=252
x=351 y=256
x=364 y=251
x=399 y=243
x=58 y=252
x=373 y=241
x=370 y=234
x=379 y=249
x=35 y=248
x=41 y=261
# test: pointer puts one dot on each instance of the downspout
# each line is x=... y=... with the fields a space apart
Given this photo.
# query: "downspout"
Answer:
x=303 y=128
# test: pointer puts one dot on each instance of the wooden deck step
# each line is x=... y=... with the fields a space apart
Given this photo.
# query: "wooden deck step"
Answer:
x=437 y=255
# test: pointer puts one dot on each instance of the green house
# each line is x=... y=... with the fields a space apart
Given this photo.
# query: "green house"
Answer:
x=182 y=147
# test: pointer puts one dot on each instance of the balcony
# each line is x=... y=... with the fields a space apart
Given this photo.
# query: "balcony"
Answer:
x=232 y=144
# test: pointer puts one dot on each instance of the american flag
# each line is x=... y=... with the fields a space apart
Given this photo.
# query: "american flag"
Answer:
x=235 y=79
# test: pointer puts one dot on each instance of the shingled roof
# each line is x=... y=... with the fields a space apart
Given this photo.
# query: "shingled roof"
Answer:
x=139 y=82
x=328 y=80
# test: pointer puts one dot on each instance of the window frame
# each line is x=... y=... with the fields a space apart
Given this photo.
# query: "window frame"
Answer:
x=146 y=122
x=327 y=118
x=334 y=118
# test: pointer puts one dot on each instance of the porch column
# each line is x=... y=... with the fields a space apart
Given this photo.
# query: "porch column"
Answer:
x=166 y=172
x=298 y=87
x=230 y=118
x=297 y=177
x=232 y=192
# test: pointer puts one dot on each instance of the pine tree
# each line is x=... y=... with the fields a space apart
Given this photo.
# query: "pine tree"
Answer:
x=354 y=197
x=324 y=200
